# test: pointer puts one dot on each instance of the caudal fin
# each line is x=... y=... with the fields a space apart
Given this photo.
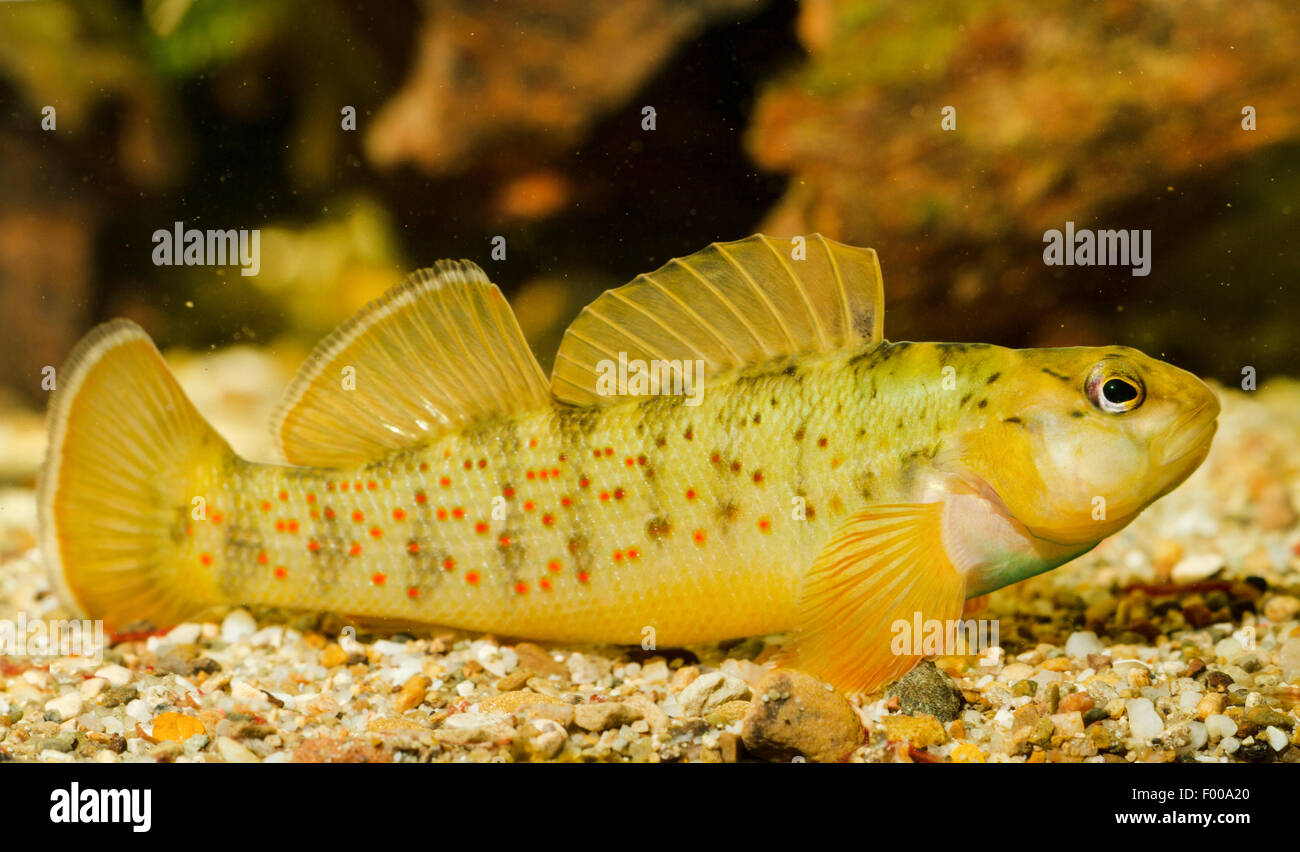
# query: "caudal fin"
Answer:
x=128 y=454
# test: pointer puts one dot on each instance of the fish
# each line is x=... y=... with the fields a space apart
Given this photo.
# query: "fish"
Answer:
x=796 y=473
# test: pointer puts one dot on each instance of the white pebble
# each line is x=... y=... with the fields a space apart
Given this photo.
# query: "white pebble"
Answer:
x=1227 y=648
x=185 y=634
x=115 y=675
x=67 y=706
x=242 y=690
x=387 y=647
x=273 y=636
x=1189 y=700
x=139 y=711
x=1143 y=720
x=1198 y=733
x=1192 y=569
x=237 y=626
x=92 y=687
x=1230 y=744
x=1220 y=726
x=465 y=688
x=655 y=671
x=1082 y=643
x=496 y=659
x=1276 y=738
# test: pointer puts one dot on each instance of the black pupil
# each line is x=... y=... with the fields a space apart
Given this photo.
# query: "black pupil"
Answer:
x=1118 y=390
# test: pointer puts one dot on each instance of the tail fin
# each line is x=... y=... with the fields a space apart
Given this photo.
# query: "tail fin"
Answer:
x=128 y=454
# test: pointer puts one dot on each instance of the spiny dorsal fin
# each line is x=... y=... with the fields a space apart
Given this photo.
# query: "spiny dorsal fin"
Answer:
x=728 y=305
x=439 y=351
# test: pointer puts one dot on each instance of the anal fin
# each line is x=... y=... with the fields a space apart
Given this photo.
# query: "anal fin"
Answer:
x=883 y=567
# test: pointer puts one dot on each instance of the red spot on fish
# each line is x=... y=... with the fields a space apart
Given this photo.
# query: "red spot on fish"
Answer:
x=468 y=465
x=507 y=492
x=532 y=443
x=421 y=497
x=292 y=525
x=604 y=495
x=596 y=453
x=529 y=505
x=715 y=458
x=357 y=486
x=633 y=553
x=482 y=463
x=424 y=467
x=564 y=457
x=758 y=476
x=355 y=549
x=441 y=513
x=548 y=519
x=311 y=497
x=504 y=541
x=609 y=451
x=765 y=524
x=735 y=467
x=690 y=493
x=566 y=502
x=266 y=505
x=357 y=516
x=554 y=566
x=555 y=471
x=823 y=441
x=412 y=593
x=448 y=564
x=205 y=558
x=530 y=475
x=545 y=583
x=641 y=460
x=458 y=513
x=521 y=588
x=329 y=514
x=471 y=577
x=583 y=576
x=378 y=578
x=445 y=482
x=619 y=493
x=618 y=556
x=216 y=517
x=376 y=532
x=284 y=495
x=329 y=486
x=630 y=462
x=481 y=528
x=372 y=485
x=399 y=514
x=313 y=545
x=281 y=572
x=279 y=526
x=413 y=547
x=584 y=482
x=698 y=537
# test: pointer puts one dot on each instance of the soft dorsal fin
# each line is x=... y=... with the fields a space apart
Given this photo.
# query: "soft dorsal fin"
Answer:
x=439 y=351
x=729 y=305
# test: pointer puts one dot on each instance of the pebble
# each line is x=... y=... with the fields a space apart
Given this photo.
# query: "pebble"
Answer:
x=185 y=634
x=796 y=715
x=1282 y=608
x=115 y=675
x=1288 y=658
x=510 y=702
x=928 y=690
x=231 y=751
x=1230 y=745
x=497 y=659
x=712 y=690
x=412 y=694
x=604 y=715
x=237 y=626
x=67 y=706
x=541 y=739
x=176 y=727
x=1219 y=726
x=1143 y=720
x=1276 y=738
x=93 y=687
x=1193 y=569
x=471 y=727
x=1082 y=643
x=1210 y=704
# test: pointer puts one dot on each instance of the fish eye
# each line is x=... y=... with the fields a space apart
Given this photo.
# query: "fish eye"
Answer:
x=1113 y=390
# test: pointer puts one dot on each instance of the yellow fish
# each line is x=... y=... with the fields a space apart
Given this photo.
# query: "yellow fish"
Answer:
x=793 y=472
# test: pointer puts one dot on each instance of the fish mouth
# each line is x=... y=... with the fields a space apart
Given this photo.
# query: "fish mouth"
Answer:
x=1192 y=433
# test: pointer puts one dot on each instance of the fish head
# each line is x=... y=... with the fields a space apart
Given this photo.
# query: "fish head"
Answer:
x=1075 y=442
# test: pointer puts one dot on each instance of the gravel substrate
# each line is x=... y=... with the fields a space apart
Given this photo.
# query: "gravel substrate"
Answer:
x=1177 y=639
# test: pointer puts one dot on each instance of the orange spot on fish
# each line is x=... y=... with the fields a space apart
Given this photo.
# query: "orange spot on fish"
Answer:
x=532 y=443
x=205 y=558
x=521 y=588
x=507 y=492
x=189 y=529
x=357 y=516
x=281 y=572
x=262 y=558
x=545 y=583
x=609 y=451
x=482 y=463
x=399 y=514
x=314 y=514
x=531 y=475
x=266 y=505
x=279 y=526
x=216 y=517
x=378 y=578
x=604 y=495
x=458 y=513
x=424 y=467
x=413 y=547
x=698 y=537
x=566 y=502
x=448 y=564
x=555 y=471
x=529 y=505
x=548 y=519
x=481 y=528
x=358 y=486
x=618 y=556
x=765 y=524
x=412 y=593
x=421 y=497
x=313 y=545
x=329 y=514
x=504 y=541
x=630 y=462
x=633 y=553
x=584 y=482
x=472 y=578
x=690 y=493
x=372 y=485
x=284 y=495
x=554 y=566
x=311 y=497
x=376 y=532
x=441 y=513
x=355 y=549
x=445 y=482
x=343 y=486
x=583 y=576
x=292 y=525
x=329 y=486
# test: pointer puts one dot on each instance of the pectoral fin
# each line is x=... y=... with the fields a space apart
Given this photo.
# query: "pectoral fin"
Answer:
x=882 y=567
